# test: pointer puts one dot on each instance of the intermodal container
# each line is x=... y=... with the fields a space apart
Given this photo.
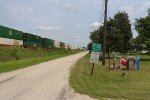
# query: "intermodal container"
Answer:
x=10 y=33
x=10 y=42
x=47 y=43
x=56 y=44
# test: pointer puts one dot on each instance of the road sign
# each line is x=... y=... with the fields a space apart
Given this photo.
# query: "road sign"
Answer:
x=96 y=47
x=94 y=57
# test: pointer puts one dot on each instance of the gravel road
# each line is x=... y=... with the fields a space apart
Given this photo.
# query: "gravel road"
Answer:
x=45 y=81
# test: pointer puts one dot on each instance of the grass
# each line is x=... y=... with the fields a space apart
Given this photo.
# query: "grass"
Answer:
x=105 y=84
x=28 y=57
x=17 y=53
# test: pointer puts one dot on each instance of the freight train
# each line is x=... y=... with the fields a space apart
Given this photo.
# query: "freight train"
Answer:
x=13 y=37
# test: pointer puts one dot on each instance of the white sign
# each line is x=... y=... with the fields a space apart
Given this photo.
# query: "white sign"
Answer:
x=94 y=57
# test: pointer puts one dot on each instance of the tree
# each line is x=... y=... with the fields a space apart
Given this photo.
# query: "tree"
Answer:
x=89 y=46
x=122 y=23
x=148 y=11
x=142 y=26
x=136 y=46
x=118 y=33
x=95 y=36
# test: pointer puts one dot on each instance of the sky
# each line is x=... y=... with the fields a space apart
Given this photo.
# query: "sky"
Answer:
x=68 y=21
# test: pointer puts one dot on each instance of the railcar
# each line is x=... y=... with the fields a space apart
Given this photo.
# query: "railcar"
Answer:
x=47 y=43
x=56 y=44
x=30 y=40
x=10 y=37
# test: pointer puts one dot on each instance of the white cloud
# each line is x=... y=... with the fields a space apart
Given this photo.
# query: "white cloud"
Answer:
x=78 y=40
x=49 y=28
x=85 y=42
x=96 y=25
x=77 y=37
x=29 y=11
x=15 y=8
x=147 y=4
x=141 y=8
x=69 y=7
x=128 y=9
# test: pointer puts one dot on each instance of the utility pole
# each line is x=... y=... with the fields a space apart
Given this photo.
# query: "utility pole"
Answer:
x=105 y=32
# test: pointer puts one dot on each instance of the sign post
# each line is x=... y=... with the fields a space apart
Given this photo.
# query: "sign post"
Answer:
x=96 y=48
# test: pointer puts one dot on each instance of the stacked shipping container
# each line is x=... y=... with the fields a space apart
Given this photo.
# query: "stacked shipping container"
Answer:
x=11 y=37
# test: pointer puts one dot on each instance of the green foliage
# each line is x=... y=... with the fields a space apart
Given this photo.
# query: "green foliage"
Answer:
x=136 y=44
x=110 y=84
x=123 y=24
x=18 y=53
x=13 y=58
x=148 y=11
x=119 y=33
x=89 y=47
x=14 y=54
x=142 y=25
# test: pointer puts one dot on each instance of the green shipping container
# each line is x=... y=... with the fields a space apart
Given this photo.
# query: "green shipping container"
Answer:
x=39 y=44
x=31 y=38
x=50 y=42
x=47 y=43
x=10 y=33
x=32 y=44
x=39 y=39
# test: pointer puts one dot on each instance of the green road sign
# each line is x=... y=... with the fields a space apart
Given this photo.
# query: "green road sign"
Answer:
x=96 y=47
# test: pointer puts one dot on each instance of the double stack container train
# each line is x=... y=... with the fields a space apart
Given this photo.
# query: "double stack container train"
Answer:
x=12 y=37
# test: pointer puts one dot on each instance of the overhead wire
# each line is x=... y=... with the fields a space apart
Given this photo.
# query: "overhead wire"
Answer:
x=102 y=12
x=108 y=10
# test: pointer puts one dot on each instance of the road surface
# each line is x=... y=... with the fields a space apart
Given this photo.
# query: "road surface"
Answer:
x=45 y=81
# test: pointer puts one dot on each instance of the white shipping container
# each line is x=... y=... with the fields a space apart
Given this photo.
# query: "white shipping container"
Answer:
x=56 y=44
x=5 y=41
x=71 y=47
x=66 y=46
x=18 y=42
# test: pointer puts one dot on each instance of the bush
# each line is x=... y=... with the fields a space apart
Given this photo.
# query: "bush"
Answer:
x=13 y=53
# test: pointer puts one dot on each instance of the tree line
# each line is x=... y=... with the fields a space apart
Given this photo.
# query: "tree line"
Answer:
x=119 y=37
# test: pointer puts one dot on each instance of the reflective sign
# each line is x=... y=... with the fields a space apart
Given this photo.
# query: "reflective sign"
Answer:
x=94 y=57
x=96 y=47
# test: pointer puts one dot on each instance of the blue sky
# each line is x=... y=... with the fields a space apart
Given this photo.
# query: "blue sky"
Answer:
x=70 y=21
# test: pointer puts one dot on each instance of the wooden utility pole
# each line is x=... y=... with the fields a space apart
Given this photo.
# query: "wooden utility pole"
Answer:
x=105 y=32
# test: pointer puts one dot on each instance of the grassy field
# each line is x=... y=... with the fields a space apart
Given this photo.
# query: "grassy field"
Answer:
x=12 y=58
x=18 y=53
x=104 y=84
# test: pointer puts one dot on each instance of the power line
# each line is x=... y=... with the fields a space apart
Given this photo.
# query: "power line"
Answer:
x=102 y=12
x=108 y=10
